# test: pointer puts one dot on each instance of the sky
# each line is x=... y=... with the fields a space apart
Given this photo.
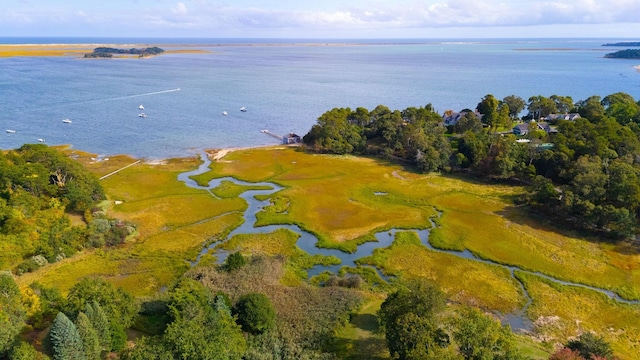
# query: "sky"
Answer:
x=321 y=19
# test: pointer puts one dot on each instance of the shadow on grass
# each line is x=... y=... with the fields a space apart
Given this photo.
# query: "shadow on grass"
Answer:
x=367 y=322
x=524 y=215
x=363 y=349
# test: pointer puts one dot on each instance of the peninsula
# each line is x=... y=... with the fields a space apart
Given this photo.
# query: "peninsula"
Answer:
x=626 y=43
x=625 y=54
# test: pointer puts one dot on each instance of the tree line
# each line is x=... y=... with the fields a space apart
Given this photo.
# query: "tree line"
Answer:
x=582 y=172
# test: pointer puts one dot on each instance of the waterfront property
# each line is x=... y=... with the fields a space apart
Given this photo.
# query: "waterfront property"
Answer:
x=291 y=138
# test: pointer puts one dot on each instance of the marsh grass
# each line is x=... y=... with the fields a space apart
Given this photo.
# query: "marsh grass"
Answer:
x=464 y=281
x=495 y=230
x=281 y=242
x=344 y=201
x=560 y=312
x=335 y=198
x=173 y=223
x=228 y=189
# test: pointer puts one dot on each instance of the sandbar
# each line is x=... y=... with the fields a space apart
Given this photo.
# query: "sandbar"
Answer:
x=78 y=50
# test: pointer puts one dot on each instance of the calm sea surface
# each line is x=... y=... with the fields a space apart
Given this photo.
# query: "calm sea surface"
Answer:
x=284 y=88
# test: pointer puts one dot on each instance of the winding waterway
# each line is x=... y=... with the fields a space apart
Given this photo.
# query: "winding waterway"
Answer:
x=308 y=241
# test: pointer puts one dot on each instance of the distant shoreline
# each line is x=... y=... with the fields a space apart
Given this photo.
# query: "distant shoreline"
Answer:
x=78 y=50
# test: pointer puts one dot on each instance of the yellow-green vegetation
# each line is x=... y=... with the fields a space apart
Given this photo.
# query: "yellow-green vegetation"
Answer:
x=228 y=189
x=496 y=231
x=173 y=221
x=465 y=281
x=560 y=312
x=283 y=243
x=275 y=213
x=342 y=199
x=345 y=201
x=333 y=197
x=76 y=50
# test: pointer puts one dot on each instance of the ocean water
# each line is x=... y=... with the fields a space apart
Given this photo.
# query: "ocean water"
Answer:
x=285 y=87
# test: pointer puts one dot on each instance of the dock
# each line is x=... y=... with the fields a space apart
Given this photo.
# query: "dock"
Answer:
x=281 y=138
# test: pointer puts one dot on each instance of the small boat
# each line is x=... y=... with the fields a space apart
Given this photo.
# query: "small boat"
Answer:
x=40 y=140
x=243 y=109
x=66 y=121
x=10 y=131
x=141 y=107
x=225 y=113
x=142 y=115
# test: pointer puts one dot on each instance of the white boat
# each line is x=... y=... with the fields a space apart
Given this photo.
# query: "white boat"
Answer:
x=66 y=121
x=40 y=140
x=141 y=107
x=243 y=109
x=142 y=115
x=225 y=113
x=10 y=131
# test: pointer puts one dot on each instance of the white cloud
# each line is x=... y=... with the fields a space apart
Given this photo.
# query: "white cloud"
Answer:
x=180 y=9
x=215 y=18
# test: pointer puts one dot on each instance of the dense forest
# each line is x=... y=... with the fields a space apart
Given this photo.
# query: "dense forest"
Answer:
x=39 y=189
x=582 y=172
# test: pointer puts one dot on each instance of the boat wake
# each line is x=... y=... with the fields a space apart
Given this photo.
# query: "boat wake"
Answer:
x=145 y=94
x=101 y=100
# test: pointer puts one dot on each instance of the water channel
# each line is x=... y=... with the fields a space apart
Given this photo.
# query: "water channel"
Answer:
x=307 y=242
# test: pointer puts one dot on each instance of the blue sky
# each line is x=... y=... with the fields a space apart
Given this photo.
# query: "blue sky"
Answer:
x=321 y=19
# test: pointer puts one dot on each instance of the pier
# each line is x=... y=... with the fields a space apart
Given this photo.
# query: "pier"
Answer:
x=288 y=139
x=281 y=138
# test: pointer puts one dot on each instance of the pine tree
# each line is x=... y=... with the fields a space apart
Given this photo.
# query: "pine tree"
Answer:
x=90 y=341
x=66 y=343
x=100 y=323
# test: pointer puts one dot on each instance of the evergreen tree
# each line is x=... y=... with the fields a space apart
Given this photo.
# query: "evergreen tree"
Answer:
x=100 y=324
x=65 y=340
x=90 y=341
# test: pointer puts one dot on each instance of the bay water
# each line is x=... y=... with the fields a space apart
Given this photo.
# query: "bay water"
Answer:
x=285 y=85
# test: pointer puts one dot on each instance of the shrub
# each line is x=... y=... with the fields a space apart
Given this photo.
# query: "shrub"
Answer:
x=255 y=313
x=235 y=261
x=589 y=345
